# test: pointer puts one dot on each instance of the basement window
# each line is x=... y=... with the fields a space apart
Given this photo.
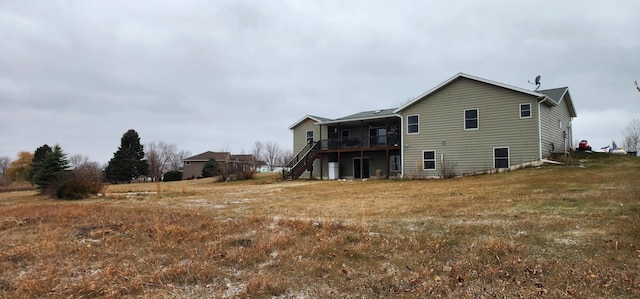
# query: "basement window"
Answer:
x=501 y=157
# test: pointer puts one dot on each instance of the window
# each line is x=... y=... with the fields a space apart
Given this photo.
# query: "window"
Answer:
x=525 y=110
x=471 y=119
x=501 y=157
x=412 y=124
x=187 y=162
x=395 y=163
x=309 y=136
x=345 y=133
x=429 y=160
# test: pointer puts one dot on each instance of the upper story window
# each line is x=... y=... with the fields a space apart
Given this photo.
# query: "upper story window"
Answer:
x=471 y=119
x=309 y=136
x=345 y=133
x=413 y=124
x=525 y=110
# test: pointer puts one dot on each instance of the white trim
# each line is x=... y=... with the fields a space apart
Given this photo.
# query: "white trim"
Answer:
x=464 y=119
x=540 y=130
x=520 y=111
x=508 y=156
x=413 y=133
x=314 y=118
x=435 y=160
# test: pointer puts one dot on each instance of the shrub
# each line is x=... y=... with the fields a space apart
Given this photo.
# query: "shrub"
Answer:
x=78 y=188
x=173 y=175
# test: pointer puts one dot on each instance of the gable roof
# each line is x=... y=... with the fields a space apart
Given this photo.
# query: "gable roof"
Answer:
x=467 y=76
x=557 y=95
x=365 y=115
x=312 y=117
x=218 y=156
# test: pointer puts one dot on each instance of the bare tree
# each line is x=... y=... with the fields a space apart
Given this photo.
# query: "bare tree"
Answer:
x=285 y=156
x=257 y=152
x=159 y=156
x=272 y=152
x=4 y=164
x=77 y=160
x=631 y=135
x=176 y=159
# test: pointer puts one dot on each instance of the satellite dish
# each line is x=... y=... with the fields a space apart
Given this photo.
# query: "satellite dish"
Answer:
x=537 y=82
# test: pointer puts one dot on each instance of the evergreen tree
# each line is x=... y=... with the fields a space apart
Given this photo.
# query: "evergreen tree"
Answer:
x=128 y=162
x=52 y=168
x=38 y=158
x=210 y=169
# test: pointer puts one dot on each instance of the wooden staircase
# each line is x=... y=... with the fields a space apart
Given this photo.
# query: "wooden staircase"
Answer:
x=301 y=161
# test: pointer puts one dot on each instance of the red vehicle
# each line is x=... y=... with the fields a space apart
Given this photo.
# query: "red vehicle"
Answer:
x=584 y=146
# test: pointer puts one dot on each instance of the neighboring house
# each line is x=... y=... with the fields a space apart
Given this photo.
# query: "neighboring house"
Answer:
x=465 y=125
x=193 y=165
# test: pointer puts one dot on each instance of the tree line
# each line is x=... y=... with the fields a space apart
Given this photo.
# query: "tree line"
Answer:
x=56 y=173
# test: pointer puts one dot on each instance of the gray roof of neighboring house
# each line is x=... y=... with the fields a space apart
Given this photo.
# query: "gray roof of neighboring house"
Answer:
x=218 y=156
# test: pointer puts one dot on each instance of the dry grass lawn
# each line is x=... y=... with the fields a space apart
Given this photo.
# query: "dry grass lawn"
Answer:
x=550 y=232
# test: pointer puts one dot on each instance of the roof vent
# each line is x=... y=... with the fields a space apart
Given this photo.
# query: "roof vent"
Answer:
x=377 y=111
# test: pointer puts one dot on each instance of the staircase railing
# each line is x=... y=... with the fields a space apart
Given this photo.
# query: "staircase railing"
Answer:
x=301 y=161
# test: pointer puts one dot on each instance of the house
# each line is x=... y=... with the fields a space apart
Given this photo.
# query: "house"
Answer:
x=193 y=165
x=463 y=126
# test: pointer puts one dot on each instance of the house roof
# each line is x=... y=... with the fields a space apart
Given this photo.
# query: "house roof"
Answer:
x=312 y=117
x=538 y=94
x=218 y=156
x=557 y=95
x=365 y=115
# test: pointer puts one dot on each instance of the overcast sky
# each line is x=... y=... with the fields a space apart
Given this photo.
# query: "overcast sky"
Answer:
x=213 y=75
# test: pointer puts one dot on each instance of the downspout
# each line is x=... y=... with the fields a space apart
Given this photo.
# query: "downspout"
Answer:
x=401 y=146
x=540 y=129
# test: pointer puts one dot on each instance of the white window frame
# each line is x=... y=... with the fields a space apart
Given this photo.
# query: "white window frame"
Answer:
x=395 y=163
x=435 y=164
x=521 y=110
x=187 y=162
x=307 y=135
x=417 y=124
x=508 y=157
x=464 y=119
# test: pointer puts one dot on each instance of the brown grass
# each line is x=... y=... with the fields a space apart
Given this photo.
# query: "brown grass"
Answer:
x=553 y=231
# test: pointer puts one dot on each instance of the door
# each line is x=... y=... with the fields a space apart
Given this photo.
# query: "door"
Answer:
x=378 y=136
x=356 y=168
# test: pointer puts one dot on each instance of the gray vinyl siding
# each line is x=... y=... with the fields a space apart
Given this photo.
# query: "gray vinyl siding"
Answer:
x=441 y=129
x=552 y=139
